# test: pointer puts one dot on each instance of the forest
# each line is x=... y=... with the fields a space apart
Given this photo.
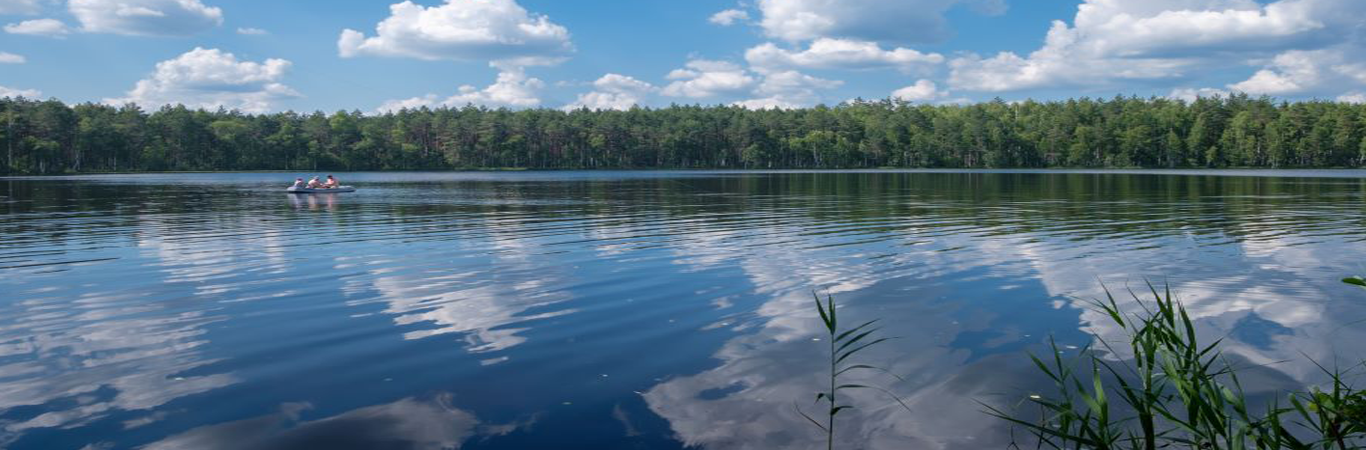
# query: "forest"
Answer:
x=50 y=137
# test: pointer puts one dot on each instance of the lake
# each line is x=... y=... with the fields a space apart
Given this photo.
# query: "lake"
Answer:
x=601 y=310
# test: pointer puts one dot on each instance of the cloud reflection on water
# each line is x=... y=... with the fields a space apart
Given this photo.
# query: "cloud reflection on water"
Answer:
x=481 y=303
x=967 y=272
x=762 y=373
x=410 y=423
x=84 y=355
x=97 y=355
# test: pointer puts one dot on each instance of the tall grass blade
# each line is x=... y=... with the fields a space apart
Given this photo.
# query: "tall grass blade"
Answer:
x=844 y=344
x=1177 y=392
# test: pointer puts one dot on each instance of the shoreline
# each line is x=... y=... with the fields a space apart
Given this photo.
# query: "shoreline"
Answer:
x=1334 y=172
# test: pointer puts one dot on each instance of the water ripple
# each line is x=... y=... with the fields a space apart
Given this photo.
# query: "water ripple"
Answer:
x=578 y=299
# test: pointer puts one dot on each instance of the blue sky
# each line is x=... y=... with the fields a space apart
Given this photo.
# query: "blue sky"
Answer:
x=271 y=55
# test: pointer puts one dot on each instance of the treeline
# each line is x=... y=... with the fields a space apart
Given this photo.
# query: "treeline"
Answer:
x=50 y=137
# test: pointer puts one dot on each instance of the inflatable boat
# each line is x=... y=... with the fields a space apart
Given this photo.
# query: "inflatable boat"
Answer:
x=304 y=190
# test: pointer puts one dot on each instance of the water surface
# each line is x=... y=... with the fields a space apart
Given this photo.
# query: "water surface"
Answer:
x=624 y=309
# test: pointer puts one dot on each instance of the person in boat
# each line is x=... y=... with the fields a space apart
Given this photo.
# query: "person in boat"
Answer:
x=314 y=183
x=331 y=183
x=298 y=183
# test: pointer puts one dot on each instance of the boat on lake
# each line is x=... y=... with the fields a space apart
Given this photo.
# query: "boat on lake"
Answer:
x=304 y=190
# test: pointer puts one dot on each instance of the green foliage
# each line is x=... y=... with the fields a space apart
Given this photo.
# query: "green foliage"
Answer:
x=48 y=137
x=844 y=343
x=1174 y=392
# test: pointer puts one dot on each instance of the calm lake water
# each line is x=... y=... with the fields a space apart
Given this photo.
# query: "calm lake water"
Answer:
x=603 y=310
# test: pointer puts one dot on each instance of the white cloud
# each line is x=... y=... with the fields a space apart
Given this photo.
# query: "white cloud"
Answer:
x=875 y=20
x=252 y=31
x=211 y=78
x=19 y=7
x=1192 y=94
x=921 y=91
x=1112 y=40
x=1310 y=72
x=463 y=30
x=389 y=106
x=729 y=17
x=26 y=93
x=765 y=103
x=613 y=91
x=826 y=53
x=701 y=78
x=788 y=89
x=39 y=27
x=1134 y=29
x=1353 y=97
x=145 y=17
x=10 y=58
x=513 y=89
x=768 y=88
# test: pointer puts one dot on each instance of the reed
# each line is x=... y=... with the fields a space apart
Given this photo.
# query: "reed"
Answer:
x=1177 y=392
x=844 y=344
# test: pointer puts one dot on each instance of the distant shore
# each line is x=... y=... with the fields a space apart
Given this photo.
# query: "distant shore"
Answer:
x=1336 y=172
x=1123 y=133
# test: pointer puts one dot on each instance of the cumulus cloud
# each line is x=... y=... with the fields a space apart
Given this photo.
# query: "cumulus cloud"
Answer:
x=19 y=7
x=463 y=30
x=788 y=89
x=1192 y=94
x=729 y=17
x=1290 y=73
x=1156 y=28
x=613 y=91
x=765 y=88
x=1112 y=40
x=827 y=53
x=39 y=27
x=765 y=103
x=26 y=93
x=10 y=58
x=391 y=106
x=922 y=91
x=145 y=17
x=701 y=78
x=212 y=78
x=512 y=89
x=1309 y=72
x=875 y=20
x=1353 y=97
x=252 y=31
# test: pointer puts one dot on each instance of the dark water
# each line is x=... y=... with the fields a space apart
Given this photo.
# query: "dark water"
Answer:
x=623 y=310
